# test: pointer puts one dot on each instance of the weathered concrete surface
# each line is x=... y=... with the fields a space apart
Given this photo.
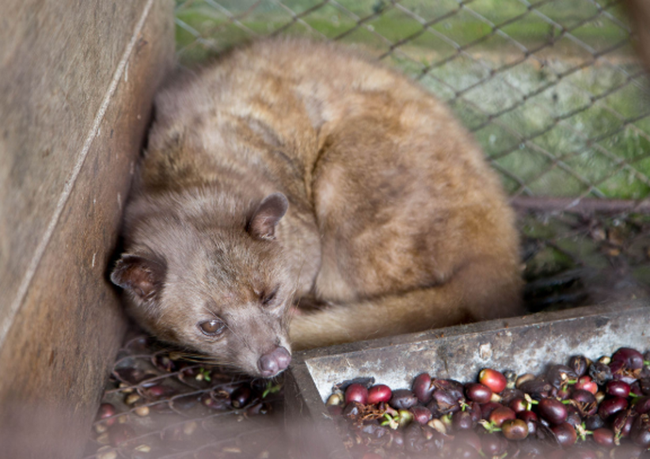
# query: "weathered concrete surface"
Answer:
x=76 y=83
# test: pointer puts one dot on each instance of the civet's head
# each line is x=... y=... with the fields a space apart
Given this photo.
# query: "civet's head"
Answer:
x=202 y=272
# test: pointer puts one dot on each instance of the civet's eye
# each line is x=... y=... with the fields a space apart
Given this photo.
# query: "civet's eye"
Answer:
x=213 y=327
x=267 y=298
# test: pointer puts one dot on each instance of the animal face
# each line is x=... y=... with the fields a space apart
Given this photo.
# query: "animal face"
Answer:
x=211 y=281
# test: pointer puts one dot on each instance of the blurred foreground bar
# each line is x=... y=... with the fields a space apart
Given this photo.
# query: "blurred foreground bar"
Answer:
x=77 y=80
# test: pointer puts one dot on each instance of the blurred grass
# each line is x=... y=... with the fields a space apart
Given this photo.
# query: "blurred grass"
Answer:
x=564 y=124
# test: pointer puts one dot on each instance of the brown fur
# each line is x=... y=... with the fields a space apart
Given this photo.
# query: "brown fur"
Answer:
x=395 y=223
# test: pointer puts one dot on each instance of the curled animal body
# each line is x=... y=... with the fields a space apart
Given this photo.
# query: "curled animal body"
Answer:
x=294 y=194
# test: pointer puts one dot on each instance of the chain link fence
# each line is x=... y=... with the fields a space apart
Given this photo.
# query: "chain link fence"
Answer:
x=551 y=89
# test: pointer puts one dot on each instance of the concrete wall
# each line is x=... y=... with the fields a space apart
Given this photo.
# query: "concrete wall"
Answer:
x=76 y=82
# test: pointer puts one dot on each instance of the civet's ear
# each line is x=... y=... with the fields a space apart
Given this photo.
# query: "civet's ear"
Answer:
x=142 y=276
x=263 y=222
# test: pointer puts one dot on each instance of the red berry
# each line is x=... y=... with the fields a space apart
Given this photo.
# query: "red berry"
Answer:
x=515 y=429
x=553 y=411
x=565 y=434
x=611 y=406
x=478 y=392
x=531 y=420
x=462 y=420
x=356 y=393
x=493 y=379
x=632 y=358
x=106 y=410
x=518 y=405
x=586 y=383
x=604 y=437
x=640 y=433
x=488 y=408
x=501 y=415
x=642 y=405
x=379 y=393
x=421 y=414
x=493 y=445
x=617 y=388
x=422 y=387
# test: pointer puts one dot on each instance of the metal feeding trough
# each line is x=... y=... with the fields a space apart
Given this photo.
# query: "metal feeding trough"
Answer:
x=524 y=345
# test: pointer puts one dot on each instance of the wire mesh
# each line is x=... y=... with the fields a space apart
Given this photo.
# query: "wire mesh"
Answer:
x=551 y=89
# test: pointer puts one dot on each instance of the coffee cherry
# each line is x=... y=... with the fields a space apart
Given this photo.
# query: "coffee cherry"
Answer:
x=501 y=415
x=567 y=405
x=422 y=387
x=552 y=411
x=537 y=388
x=462 y=420
x=579 y=364
x=487 y=408
x=336 y=399
x=421 y=414
x=403 y=399
x=622 y=422
x=585 y=402
x=493 y=445
x=642 y=405
x=640 y=432
x=583 y=396
x=455 y=389
x=106 y=410
x=565 y=434
x=617 y=389
x=621 y=373
x=531 y=420
x=632 y=358
x=356 y=393
x=240 y=397
x=492 y=379
x=611 y=406
x=573 y=416
x=586 y=383
x=445 y=401
x=560 y=375
x=478 y=392
x=518 y=405
x=593 y=422
x=604 y=437
x=644 y=385
x=515 y=429
x=352 y=410
x=379 y=393
x=600 y=372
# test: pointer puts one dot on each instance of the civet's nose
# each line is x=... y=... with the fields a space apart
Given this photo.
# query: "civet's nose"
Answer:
x=274 y=362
